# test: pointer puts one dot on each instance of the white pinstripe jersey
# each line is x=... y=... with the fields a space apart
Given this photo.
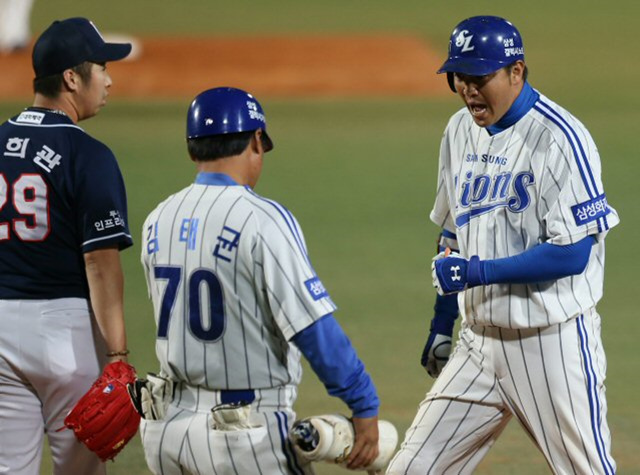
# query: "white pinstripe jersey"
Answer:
x=231 y=283
x=537 y=181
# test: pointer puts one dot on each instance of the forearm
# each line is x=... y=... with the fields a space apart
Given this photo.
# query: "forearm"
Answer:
x=106 y=290
x=542 y=263
x=334 y=360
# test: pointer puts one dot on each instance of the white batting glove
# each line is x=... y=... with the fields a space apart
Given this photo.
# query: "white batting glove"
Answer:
x=438 y=346
x=436 y=353
x=151 y=396
x=232 y=416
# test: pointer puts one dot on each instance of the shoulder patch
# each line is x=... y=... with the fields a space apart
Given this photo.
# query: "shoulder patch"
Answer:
x=591 y=210
x=316 y=289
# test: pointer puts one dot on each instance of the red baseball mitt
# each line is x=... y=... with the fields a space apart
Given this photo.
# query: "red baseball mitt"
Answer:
x=104 y=419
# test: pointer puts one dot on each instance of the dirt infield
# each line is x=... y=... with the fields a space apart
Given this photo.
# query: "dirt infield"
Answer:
x=324 y=66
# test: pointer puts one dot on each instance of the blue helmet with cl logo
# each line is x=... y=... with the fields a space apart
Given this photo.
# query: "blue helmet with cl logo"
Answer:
x=481 y=45
x=225 y=110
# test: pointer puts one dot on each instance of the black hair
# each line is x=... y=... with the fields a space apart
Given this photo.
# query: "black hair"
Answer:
x=212 y=147
x=51 y=86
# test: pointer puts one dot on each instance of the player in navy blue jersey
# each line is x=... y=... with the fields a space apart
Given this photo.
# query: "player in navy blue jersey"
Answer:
x=63 y=221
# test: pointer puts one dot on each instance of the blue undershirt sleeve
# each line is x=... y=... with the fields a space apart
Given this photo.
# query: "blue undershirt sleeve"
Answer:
x=445 y=314
x=541 y=263
x=334 y=360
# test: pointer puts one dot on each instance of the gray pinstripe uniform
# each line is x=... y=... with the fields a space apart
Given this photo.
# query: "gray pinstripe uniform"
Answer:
x=231 y=283
x=527 y=350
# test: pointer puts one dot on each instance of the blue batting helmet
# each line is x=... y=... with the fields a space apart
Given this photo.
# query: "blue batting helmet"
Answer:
x=481 y=45
x=225 y=110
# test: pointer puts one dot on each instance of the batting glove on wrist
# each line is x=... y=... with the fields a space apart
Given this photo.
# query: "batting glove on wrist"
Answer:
x=438 y=347
x=452 y=273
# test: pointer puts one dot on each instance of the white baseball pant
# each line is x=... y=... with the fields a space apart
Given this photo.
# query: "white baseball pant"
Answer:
x=48 y=360
x=551 y=379
x=184 y=442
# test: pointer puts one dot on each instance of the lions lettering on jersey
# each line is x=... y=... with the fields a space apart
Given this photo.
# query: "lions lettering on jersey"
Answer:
x=486 y=192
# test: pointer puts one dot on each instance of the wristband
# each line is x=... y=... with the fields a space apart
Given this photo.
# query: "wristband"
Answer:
x=475 y=272
x=442 y=324
x=447 y=306
x=118 y=353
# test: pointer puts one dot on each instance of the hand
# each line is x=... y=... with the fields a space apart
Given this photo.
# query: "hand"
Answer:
x=365 y=448
x=104 y=419
x=449 y=272
x=436 y=353
x=438 y=347
x=453 y=273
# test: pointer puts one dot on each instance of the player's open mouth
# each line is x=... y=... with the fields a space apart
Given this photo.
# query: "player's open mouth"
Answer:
x=477 y=109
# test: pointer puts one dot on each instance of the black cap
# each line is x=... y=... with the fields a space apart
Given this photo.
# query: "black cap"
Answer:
x=68 y=43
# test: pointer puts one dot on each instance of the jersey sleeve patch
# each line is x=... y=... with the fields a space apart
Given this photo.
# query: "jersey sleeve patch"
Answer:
x=316 y=288
x=591 y=210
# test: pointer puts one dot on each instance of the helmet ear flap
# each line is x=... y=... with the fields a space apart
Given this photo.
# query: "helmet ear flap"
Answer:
x=450 y=81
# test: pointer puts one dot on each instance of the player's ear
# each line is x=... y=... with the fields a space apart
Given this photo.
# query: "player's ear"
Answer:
x=71 y=80
x=516 y=72
x=256 y=142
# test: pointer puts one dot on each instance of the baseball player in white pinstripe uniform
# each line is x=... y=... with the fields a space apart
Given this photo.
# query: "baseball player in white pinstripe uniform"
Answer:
x=236 y=301
x=521 y=204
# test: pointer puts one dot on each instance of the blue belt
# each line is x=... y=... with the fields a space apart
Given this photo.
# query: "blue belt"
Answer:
x=230 y=396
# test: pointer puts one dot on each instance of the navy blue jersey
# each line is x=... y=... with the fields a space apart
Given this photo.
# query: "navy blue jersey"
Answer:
x=61 y=195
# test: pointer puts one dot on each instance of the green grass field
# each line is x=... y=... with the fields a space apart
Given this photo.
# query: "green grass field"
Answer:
x=359 y=175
